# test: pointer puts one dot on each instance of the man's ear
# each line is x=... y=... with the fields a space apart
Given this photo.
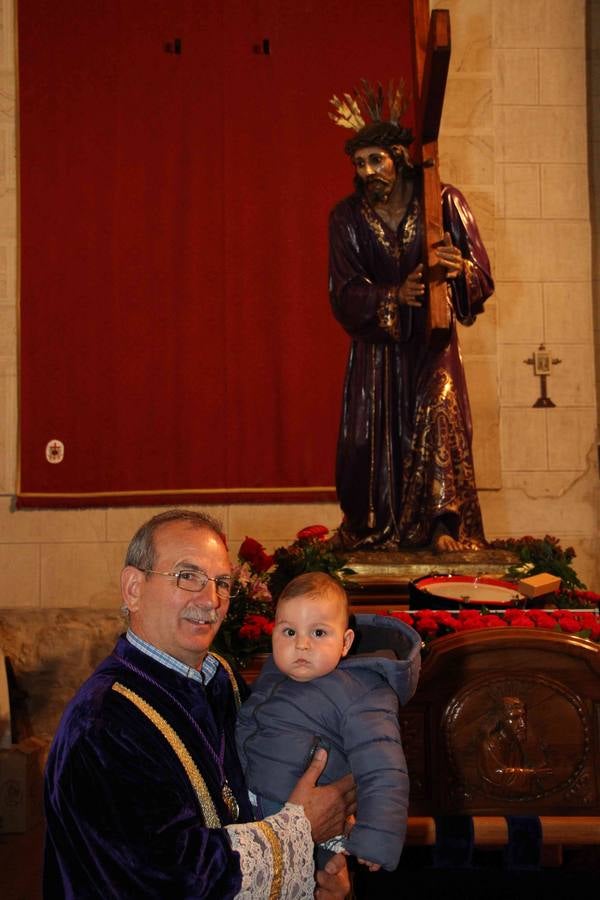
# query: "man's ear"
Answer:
x=131 y=583
x=348 y=638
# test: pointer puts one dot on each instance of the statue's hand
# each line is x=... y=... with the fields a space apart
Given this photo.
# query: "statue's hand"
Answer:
x=411 y=292
x=450 y=257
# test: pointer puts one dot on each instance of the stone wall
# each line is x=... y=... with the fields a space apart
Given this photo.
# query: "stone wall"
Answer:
x=593 y=111
x=543 y=276
x=49 y=654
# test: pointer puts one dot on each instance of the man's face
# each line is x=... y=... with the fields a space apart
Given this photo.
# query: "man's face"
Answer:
x=182 y=623
x=310 y=636
x=376 y=168
x=516 y=717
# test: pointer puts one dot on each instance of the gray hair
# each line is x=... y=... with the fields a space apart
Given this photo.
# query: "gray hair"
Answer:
x=141 y=551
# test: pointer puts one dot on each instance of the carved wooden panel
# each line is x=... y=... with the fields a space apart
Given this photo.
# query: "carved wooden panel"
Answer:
x=506 y=723
x=516 y=740
x=412 y=726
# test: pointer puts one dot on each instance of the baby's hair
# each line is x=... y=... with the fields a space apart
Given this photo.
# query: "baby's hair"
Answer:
x=315 y=584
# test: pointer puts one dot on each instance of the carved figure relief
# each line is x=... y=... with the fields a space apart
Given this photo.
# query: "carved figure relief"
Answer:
x=518 y=738
x=504 y=758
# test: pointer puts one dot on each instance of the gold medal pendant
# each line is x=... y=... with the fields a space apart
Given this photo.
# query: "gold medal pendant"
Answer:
x=230 y=801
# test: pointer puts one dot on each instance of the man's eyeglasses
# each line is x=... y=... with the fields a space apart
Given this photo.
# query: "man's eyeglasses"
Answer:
x=193 y=581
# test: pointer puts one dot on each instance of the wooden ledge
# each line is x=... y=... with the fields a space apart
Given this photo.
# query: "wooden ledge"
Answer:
x=492 y=831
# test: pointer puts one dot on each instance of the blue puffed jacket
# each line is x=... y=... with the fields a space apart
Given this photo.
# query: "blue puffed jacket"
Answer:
x=353 y=712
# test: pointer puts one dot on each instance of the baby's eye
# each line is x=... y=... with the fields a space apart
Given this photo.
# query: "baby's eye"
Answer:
x=320 y=632
x=289 y=632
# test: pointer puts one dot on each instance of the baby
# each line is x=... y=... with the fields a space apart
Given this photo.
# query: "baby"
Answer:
x=313 y=693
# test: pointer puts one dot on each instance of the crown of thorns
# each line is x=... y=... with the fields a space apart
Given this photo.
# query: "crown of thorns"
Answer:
x=370 y=103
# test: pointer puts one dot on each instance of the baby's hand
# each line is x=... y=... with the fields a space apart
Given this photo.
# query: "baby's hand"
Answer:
x=371 y=866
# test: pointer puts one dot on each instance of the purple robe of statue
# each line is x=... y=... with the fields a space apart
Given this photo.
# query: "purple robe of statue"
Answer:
x=404 y=461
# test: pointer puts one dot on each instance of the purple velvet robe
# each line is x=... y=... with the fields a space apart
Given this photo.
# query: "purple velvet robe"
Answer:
x=123 y=819
x=404 y=458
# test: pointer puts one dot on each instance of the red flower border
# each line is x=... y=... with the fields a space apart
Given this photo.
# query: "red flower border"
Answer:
x=431 y=624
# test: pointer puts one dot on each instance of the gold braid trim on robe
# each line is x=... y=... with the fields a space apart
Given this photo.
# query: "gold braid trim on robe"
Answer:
x=277 y=853
x=388 y=316
x=207 y=806
x=229 y=670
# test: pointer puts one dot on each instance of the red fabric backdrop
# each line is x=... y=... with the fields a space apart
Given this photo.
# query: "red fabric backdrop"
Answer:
x=175 y=331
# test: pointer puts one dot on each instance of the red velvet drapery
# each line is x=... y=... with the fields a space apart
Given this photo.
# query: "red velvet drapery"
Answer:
x=175 y=332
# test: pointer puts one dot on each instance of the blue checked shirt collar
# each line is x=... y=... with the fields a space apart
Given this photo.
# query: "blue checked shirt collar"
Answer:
x=203 y=675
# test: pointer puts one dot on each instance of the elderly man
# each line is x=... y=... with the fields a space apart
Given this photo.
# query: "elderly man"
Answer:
x=404 y=466
x=144 y=793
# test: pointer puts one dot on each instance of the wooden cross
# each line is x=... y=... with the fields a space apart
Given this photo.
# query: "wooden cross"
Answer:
x=542 y=364
x=431 y=59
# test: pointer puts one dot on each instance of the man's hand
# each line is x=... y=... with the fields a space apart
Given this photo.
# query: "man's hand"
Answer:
x=411 y=292
x=333 y=882
x=326 y=807
x=450 y=257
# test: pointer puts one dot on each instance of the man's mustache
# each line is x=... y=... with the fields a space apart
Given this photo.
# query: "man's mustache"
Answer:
x=200 y=615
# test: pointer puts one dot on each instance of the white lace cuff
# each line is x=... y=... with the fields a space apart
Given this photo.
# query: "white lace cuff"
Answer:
x=279 y=844
x=335 y=844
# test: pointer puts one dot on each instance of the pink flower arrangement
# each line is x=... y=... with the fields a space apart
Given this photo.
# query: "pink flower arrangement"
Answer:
x=249 y=622
x=260 y=579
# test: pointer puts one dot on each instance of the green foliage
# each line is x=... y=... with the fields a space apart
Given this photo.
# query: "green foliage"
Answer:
x=538 y=555
x=309 y=553
x=260 y=579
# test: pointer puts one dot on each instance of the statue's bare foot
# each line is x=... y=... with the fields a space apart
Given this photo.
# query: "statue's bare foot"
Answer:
x=445 y=543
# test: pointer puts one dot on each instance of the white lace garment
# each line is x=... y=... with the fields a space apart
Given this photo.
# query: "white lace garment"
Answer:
x=283 y=856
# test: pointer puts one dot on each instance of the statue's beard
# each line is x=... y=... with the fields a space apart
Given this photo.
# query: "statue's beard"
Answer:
x=377 y=190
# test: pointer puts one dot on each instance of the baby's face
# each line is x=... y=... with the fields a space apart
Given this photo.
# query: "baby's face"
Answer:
x=310 y=636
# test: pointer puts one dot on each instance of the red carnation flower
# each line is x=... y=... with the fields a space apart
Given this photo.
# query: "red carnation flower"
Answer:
x=254 y=626
x=542 y=619
x=479 y=622
x=448 y=620
x=594 y=626
x=510 y=614
x=426 y=625
x=250 y=631
x=403 y=616
x=254 y=553
x=522 y=621
x=468 y=618
x=471 y=624
x=569 y=623
x=313 y=532
x=494 y=621
x=585 y=598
